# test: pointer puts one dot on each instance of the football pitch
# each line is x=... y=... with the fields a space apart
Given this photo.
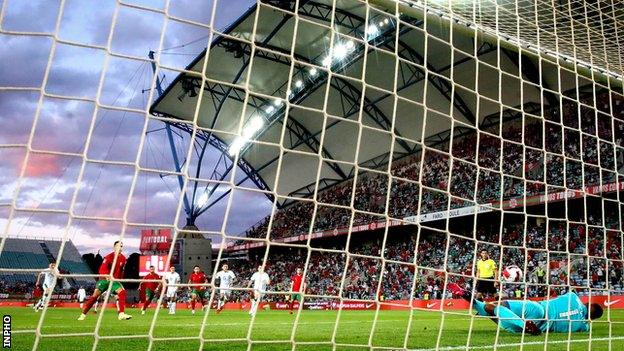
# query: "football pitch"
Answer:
x=274 y=330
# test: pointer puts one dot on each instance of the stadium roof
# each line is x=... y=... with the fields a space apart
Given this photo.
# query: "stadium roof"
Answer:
x=358 y=50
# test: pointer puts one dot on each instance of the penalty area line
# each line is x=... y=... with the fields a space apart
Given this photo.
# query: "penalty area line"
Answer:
x=518 y=344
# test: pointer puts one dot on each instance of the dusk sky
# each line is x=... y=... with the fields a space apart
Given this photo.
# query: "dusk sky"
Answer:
x=63 y=124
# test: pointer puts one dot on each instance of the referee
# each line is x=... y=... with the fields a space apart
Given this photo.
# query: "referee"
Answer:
x=486 y=276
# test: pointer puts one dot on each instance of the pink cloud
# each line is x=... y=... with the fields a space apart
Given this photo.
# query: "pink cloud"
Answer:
x=42 y=165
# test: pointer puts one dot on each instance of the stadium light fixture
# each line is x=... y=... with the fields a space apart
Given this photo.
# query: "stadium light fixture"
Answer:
x=277 y=102
x=340 y=51
x=253 y=126
x=236 y=145
x=203 y=199
x=312 y=72
x=256 y=123
x=372 y=31
x=269 y=109
x=326 y=61
x=299 y=83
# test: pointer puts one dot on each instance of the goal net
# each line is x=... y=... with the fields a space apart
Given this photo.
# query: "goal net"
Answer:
x=406 y=173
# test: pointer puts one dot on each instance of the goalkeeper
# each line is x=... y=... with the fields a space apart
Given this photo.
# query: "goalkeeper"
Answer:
x=562 y=314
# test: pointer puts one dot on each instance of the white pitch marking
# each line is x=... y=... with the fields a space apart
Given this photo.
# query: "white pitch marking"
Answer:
x=518 y=344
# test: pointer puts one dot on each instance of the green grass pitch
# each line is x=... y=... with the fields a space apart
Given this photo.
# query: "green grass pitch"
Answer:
x=274 y=330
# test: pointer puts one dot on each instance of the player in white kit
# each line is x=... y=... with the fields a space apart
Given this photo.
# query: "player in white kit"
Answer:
x=81 y=296
x=260 y=281
x=226 y=278
x=49 y=278
x=172 y=278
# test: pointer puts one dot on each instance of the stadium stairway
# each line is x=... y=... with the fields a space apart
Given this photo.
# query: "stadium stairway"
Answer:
x=50 y=257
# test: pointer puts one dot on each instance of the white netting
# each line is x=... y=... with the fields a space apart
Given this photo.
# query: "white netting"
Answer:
x=380 y=146
x=583 y=31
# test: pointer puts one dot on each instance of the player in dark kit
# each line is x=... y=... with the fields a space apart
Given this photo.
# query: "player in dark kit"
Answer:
x=149 y=286
x=296 y=287
x=197 y=291
x=113 y=264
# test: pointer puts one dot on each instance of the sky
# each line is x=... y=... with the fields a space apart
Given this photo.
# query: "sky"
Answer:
x=49 y=181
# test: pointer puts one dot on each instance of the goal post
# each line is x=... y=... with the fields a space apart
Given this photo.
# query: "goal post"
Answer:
x=387 y=149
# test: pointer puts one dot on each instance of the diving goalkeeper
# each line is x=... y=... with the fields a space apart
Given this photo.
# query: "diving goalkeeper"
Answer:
x=562 y=314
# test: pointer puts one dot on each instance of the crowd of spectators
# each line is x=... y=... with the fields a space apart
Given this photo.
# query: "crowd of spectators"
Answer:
x=16 y=286
x=528 y=156
x=23 y=285
x=584 y=259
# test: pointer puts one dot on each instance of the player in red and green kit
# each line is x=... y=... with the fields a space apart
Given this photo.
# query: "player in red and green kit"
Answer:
x=197 y=291
x=150 y=287
x=113 y=265
x=296 y=287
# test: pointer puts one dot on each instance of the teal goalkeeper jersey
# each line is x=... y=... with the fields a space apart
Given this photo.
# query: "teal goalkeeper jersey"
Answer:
x=565 y=313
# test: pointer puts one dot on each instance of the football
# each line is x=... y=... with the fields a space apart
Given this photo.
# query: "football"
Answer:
x=511 y=274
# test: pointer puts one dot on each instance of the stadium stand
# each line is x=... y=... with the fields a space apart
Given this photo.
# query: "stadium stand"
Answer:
x=325 y=269
x=488 y=184
x=19 y=253
x=493 y=181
